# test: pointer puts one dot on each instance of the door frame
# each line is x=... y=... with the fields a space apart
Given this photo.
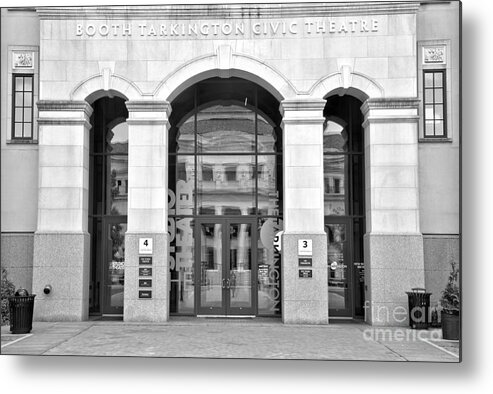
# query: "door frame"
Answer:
x=226 y=309
x=348 y=261
x=106 y=308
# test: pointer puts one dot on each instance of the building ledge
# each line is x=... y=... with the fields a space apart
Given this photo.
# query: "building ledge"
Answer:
x=431 y=140
x=22 y=142
x=231 y=11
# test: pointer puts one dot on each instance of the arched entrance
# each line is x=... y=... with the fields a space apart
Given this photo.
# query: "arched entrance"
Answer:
x=225 y=181
x=108 y=197
x=344 y=204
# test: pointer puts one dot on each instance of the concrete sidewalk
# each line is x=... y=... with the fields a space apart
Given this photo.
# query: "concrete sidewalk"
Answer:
x=224 y=338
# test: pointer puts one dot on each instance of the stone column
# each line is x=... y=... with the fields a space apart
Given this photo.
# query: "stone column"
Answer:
x=394 y=260
x=304 y=300
x=147 y=209
x=61 y=242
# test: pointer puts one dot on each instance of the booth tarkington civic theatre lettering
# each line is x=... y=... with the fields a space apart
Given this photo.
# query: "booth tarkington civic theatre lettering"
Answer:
x=206 y=29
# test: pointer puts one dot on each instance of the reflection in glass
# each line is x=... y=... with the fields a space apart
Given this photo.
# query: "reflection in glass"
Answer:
x=267 y=195
x=97 y=186
x=181 y=264
x=358 y=187
x=269 y=268
x=118 y=185
x=117 y=139
x=185 y=184
x=228 y=187
x=240 y=265
x=359 y=267
x=211 y=265
x=337 y=266
x=185 y=140
x=266 y=136
x=223 y=128
x=335 y=137
x=117 y=170
x=97 y=235
x=334 y=185
x=116 y=264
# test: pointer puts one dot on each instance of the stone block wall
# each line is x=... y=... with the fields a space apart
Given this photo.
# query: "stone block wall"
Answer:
x=17 y=258
x=439 y=252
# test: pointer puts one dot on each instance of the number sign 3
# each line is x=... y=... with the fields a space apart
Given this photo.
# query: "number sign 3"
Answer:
x=305 y=247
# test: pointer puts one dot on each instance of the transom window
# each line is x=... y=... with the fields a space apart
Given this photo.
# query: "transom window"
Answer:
x=434 y=103
x=225 y=154
x=22 y=106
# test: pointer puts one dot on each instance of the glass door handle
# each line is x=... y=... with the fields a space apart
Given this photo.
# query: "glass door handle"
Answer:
x=227 y=283
x=224 y=285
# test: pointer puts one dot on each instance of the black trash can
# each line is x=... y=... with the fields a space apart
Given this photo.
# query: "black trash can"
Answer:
x=419 y=305
x=21 y=312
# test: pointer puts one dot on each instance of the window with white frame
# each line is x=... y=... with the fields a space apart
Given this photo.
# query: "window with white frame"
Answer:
x=434 y=103
x=22 y=106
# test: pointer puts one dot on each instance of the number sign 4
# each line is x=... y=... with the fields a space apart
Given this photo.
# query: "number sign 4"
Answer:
x=145 y=245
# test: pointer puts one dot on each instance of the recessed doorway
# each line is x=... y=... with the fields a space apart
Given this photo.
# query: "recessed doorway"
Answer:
x=225 y=200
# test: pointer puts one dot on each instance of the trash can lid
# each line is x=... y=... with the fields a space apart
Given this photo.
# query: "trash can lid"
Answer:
x=21 y=292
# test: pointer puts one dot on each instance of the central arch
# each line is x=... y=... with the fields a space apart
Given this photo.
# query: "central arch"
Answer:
x=224 y=64
x=225 y=186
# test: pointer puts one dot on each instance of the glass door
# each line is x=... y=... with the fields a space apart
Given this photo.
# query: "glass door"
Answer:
x=339 y=276
x=114 y=266
x=210 y=264
x=225 y=265
x=240 y=278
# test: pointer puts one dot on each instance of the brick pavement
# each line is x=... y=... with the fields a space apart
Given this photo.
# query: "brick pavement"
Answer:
x=222 y=338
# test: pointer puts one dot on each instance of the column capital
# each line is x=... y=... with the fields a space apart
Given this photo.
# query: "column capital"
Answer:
x=390 y=109
x=63 y=112
x=148 y=112
x=64 y=105
x=148 y=106
x=306 y=111
x=302 y=104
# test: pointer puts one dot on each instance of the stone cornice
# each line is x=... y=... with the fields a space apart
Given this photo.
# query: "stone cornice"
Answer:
x=229 y=11
x=390 y=110
x=148 y=112
x=302 y=111
x=390 y=103
x=64 y=112
x=148 y=106
x=64 y=105
x=302 y=105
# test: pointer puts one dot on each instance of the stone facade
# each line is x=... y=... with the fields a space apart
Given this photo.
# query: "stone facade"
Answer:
x=301 y=54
